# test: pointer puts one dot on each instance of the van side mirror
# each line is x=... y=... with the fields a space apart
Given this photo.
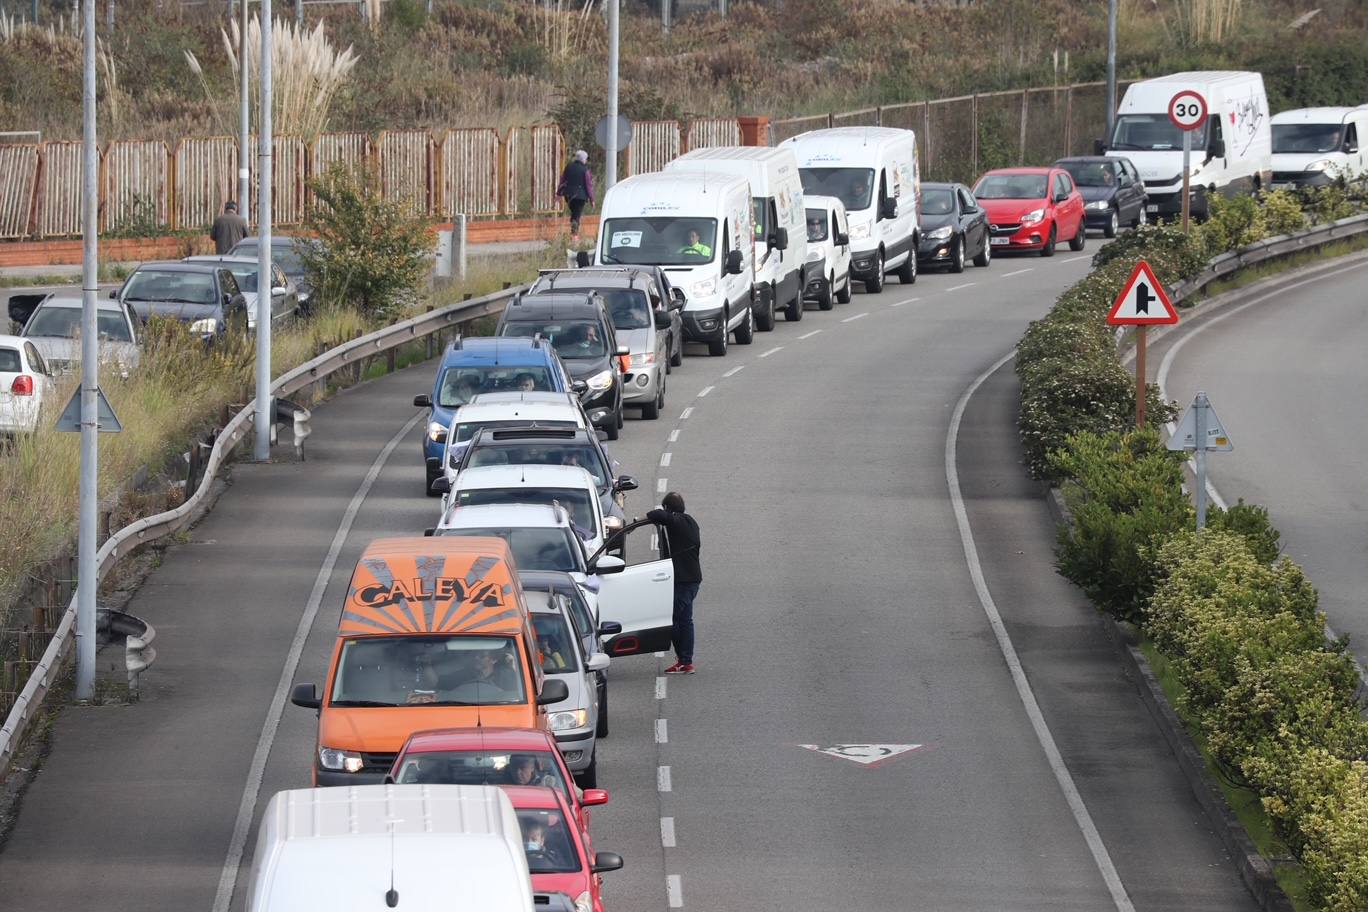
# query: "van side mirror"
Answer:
x=606 y=861
x=305 y=695
x=888 y=208
x=662 y=319
x=842 y=239
x=554 y=690
x=734 y=262
x=582 y=259
x=1099 y=147
x=1217 y=149
x=440 y=485
x=677 y=297
x=1350 y=147
x=579 y=386
x=423 y=401
x=778 y=239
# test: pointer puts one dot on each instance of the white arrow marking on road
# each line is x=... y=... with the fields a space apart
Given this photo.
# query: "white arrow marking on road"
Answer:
x=863 y=754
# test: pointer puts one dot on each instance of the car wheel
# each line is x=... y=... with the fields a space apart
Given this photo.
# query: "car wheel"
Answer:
x=826 y=300
x=1113 y=225
x=843 y=296
x=957 y=264
x=651 y=410
x=874 y=284
x=764 y=321
x=718 y=347
x=907 y=272
x=669 y=359
x=1048 y=249
x=745 y=333
x=677 y=354
x=986 y=255
x=794 y=312
x=601 y=731
x=1141 y=217
x=1080 y=238
x=587 y=778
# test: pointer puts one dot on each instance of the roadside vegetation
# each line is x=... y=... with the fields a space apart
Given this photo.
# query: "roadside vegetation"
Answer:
x=1232 y=625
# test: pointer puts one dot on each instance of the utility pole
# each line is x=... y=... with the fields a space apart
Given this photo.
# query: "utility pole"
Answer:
x=665 y=16
x=244 y=122
x=1111 y=70
x=610 y=164
x=265 y=413
x=87 y=573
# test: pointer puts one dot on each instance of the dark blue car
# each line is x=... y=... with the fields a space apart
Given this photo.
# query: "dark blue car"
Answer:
x=483 y=365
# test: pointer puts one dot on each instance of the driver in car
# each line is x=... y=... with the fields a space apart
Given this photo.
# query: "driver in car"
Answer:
x=494 y=669
x=816 y=228
x=696 y=246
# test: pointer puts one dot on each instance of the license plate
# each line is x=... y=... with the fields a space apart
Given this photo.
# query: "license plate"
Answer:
x=1152 y=207
x=1001 y=242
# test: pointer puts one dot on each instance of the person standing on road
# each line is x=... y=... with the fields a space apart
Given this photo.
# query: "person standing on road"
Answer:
x=684 y=540
x=229 y=228
x=576 y=187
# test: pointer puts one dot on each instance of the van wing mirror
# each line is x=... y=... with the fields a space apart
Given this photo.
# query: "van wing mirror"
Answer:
x=305 y=695
x=1350 y=147
x=554 y=690
x=662 y=319
x=582 y=259
x=1099 y=147
x=609 y=629
x=734 y=262
x=842 y=239
x=778 y=239
x=677 y=298
x=1217 y=149
x=888 y=208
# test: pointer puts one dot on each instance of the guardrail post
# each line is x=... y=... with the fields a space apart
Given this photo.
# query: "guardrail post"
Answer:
x=427 y=341
x=391 y=360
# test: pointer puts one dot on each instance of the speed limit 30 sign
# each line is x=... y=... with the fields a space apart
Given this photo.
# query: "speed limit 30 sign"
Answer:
x=1187 y=110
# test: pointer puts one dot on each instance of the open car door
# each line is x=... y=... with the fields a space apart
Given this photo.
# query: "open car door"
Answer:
x=637 y=593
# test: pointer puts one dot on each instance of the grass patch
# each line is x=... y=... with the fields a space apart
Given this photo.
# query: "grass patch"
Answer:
x=1248 y=808
x=1251 y=274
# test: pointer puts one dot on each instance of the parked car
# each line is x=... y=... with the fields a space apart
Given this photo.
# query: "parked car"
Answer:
x=559 y=855
x=55 y=330
x=828 y=234
x=286 y=251
x=1032 y=209
x=204 y=295
x=954 y=228
x=25 y=385
x=1113 y=193
x=284 y=292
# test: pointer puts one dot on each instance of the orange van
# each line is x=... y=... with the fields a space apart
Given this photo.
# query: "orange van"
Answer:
x=433 y=634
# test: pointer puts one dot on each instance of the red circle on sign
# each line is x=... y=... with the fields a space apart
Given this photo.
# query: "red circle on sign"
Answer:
x=1187 y=110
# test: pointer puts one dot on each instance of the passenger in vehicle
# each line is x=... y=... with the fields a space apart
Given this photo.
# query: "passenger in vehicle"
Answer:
x=526 y=382
x=817 y=228
x=494 y=669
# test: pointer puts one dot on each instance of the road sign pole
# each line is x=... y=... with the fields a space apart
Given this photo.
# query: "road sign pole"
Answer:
x=1187 y=177
x=1111 y=70
x=1140 y=339
x=265 y=416
x=244 y=123
x=1200 y=496
x=610 y=163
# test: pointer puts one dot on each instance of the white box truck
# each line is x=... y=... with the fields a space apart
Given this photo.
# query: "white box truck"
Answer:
x=697 y=227
x=777 y=220
x=456 y=847
x=1232 y=152
x=1314 y=146
x=874 y=172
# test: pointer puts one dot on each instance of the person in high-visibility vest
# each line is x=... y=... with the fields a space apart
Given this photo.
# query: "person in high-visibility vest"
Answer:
x=696 y=246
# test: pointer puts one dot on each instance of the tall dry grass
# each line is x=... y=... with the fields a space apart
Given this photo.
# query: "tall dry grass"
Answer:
x=1199 y=22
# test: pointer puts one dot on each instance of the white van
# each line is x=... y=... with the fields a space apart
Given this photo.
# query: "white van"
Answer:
x=1232 y=153
x=777 y=219
x=1314 y=146
x=436 y=846
x=828 y=234
x=697 y=227
x=874 y=172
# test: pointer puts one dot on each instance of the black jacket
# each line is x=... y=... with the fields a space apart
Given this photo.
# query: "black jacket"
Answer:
x=576 y=182
x=684 y=540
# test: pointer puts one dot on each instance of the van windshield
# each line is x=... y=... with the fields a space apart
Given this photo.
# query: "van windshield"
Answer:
x=1152 y=133
x=451 y=670
x=1296 y=138
x=661 y=241
x=852 y=186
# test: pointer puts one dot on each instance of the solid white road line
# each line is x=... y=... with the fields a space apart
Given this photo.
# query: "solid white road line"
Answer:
x=664 y=460
x=808 y=335
x=674 y=435
x=734 y=371
x=1009 y=653
x=662 y=732
x=667 y=836
x=1077 y=258
x=662 y=684
x=662 y=485
x=704 y=391
x=233 y=862
x=663 y=782
x=1008 y=275
x=958 y=287
x=684 y=415
x=675 y=890
x=777 y=348
x=856 y=317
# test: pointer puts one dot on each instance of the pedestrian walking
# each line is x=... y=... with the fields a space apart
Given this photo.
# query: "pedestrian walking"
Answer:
x=229 y=228
x=576 y=187
x=683 y=536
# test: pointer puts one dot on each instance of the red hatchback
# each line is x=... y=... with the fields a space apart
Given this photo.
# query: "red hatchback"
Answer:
x=492 y=756
x=559 y=858
x=1032 y=209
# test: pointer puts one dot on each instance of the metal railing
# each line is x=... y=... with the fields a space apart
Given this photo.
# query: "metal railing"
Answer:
x=349 y=356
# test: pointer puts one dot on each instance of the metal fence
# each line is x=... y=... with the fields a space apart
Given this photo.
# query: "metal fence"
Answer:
x=18 y=181
x=654 y=143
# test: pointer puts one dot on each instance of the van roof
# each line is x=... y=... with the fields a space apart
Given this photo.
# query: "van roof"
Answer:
x=817 y=201
x=657 y=189
x=736 y=153
x=433 y=585
x=1200 y=78
x=1326 y=115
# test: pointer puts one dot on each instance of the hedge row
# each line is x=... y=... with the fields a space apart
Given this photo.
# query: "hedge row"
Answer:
x=1277 y=705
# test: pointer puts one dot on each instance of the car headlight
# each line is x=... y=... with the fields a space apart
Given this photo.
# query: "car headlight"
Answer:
x=816 y=253
x=206 y=327
x=703 y=288
x=437 y=432
x=859 y=231
x=601 y=381
x=940 y=234
x=1099 y=205
x=1032 y=217
x=643 y=359
x=584 y=902
x=568 y=719
x=330 y=758
x=1323 y=164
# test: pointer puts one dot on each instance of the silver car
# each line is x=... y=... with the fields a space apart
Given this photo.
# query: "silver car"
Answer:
x=574 y=720
x=54 y=328
x=284 y=292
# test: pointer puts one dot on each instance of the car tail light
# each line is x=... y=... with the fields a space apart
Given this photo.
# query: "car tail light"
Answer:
x=22 y=386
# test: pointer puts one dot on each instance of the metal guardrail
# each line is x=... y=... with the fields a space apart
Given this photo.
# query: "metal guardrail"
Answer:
x=348 y=356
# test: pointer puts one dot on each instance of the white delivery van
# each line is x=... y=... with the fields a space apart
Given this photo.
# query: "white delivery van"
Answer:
x=777 y=220
x=828 y=234
x=456 y=847
x=1314 y=146
x=1232 y=153
x=697 y=226
x=874 y=172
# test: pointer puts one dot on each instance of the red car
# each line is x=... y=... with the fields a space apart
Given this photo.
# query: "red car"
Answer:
x=1032 y=209
x=559 y=856
x=492 y=756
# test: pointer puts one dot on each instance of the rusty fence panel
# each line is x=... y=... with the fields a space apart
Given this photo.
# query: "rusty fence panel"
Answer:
x=351 y=150
x=289 y=161
x=59 y=203
x=654 y=144
x=548 y=154
x=18 y=183
x=789 y=127
x=513 y=168
x=714 y=131
x=406 y=168
x=470 y=161
x=205 y=178
x=135 y=184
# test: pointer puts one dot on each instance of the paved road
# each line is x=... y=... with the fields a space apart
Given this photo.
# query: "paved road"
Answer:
x=1286 y=373
x=838 y=608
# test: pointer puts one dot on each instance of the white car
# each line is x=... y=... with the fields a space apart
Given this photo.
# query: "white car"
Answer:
x=574 y=720
x=55 y=329
x=25 y=385
x=570 y=486
x=828 y=234
x=508 y=409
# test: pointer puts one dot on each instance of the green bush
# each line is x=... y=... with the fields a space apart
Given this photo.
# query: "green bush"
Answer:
x=1282 y=212
x=1162 y=241
x=1234 y=222
x=1253 y=523
x=1327 y=805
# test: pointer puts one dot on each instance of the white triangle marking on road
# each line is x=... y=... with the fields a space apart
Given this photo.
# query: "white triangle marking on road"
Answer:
x=863 y=754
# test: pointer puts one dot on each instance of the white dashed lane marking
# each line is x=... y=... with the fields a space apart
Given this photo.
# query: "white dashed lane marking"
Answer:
x=704 y=391
x=675 y=889
x=965 y=285
x=674 y=435
x=662 y=732
x=777 y=348
x=663 y=779
x=667 y=836
x=684 y=415
x=1076 y=259
x=664 y=460
x=809 y=335
x=662 y=486
x=662 y=683
x=856 y=317
x=734 y=371
x=1008 y=275
x=906 y=301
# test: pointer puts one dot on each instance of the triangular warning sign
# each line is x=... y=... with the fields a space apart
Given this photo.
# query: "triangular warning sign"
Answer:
x=1143 y=301
x=863 y=754
x=71 y=415
x=1185 y=436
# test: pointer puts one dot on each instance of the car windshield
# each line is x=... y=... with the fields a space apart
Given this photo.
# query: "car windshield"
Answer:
x=551 y=548
x=852 y=186
x=178 y=287
x=583 y=454
x=572 y=339
x=483 y=767
x=662 y=241
x=65 y=323
x=459 y=384
x=283 y=255
x=936 y=201
x=628 y=307
x=579 y=501
x=546 y=839
x=817 y=224
x=451 y=670
x=1011 y=186
x=1294 y=138
x=1092 y=174
x=558 y=652
x=1153 y=133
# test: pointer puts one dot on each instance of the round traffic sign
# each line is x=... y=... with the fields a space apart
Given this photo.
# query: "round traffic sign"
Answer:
x=624 y=133
x=1187 y=110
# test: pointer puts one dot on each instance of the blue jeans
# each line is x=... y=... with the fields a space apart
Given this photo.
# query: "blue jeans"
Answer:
x=682 y=636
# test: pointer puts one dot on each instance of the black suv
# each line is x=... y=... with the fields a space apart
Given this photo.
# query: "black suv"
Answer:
x=577 y=326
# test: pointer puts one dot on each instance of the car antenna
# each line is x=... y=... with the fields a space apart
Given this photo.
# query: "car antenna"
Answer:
x=392 y=895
